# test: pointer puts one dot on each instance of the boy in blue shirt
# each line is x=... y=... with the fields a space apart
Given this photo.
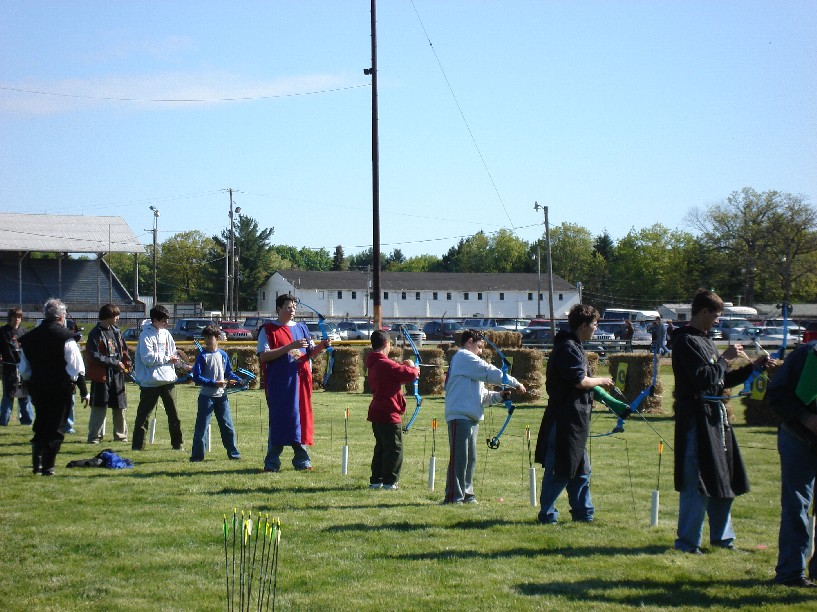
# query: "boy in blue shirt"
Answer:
x=214 y=373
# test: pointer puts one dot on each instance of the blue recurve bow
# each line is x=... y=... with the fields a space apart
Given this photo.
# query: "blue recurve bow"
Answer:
x=325 y=336
x=417 y=397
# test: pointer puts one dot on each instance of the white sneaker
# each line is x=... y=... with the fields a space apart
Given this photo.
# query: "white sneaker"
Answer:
x=391 y=487
x=376 y=485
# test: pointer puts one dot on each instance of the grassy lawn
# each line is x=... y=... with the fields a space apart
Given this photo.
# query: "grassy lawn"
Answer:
x=151 y=538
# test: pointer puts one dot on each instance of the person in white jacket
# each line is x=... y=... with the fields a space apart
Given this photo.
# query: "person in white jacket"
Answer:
x=465 y=400
x=155 y=373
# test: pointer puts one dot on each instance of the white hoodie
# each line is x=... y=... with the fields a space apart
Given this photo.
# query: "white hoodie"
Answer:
x=465 y=393
x=153 y=352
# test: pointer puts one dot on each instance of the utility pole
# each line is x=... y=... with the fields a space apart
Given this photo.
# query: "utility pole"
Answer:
x=536 y=207
x=155 y=232
x=229 y=254
x=376 y=307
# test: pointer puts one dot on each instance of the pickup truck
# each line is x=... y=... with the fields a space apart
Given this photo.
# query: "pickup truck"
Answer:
x=188 y=329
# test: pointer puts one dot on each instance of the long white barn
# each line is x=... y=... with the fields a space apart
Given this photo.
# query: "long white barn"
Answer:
x=422 y=295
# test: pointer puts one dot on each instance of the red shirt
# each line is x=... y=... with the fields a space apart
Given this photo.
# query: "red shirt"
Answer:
x=386 y=378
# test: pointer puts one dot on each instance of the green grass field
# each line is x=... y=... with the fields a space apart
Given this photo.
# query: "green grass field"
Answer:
x=151 y=538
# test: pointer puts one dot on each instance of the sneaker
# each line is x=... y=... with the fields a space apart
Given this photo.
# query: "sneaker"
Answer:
x=273 y=470
x=308 y=468
x=391 y=487
x=471 y=499
x=235 y=458
x=196 y=459
x=178 y=448
x=376 y=485
x=801 y=582
x=93 y=441
x=451 y=503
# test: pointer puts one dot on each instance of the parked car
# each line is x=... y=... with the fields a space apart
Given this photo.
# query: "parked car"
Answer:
x=132 y=334
x=234 y=331
x=442 y=330
x=537 y=336
x=355 y=330
x=254 y=324
x=190 y=329
x=396 y=334
x=316 y=332
x=811 y=332
x=516 y=325
x=772 y=336
x=727 y=326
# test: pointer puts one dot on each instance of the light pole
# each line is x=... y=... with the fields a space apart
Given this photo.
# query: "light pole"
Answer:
x=155 y=231
x=538 y=281
x=229 y=253
x=234 y=260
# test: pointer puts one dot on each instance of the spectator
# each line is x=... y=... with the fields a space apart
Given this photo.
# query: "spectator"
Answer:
x=13 y=386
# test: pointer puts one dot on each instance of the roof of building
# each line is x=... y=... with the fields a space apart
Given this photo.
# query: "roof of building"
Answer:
x=423 y=281
x=66 y=234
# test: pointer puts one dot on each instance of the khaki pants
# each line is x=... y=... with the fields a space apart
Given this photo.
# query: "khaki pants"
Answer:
x=96 y=424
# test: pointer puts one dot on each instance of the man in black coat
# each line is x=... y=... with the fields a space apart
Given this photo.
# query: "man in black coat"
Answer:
x=52 y=363
x=10 y=354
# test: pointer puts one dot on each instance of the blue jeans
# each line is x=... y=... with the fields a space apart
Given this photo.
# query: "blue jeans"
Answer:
x=694 y=507
x=68 y=424
x=798 y=467
x=578 y=489
x=300 y=461
x=23 y=404
x=220 y=406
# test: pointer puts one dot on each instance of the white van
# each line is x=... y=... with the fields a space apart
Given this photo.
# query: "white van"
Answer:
x=628 y=314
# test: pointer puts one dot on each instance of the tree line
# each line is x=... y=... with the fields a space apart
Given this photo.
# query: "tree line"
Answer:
x=751 y=248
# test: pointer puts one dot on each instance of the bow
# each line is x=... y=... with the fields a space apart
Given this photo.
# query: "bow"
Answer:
x=633 y=406
x=246 y=377
x=325 y=336
x=494 y=442
x=418 y=398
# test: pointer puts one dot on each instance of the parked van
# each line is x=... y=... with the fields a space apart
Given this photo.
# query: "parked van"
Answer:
x=631 y=314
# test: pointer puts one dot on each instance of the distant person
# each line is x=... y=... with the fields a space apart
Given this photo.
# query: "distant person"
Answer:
x=792 y=394
x=52 y=363
x=561 y=446
x=465 y=400
x=659 y=337
x=13 y=386
x=709 y=470
x=386 y=379
x=214 y=372
x=284 y=350
x=155 y=370
x=629 y=331
x=107 y=360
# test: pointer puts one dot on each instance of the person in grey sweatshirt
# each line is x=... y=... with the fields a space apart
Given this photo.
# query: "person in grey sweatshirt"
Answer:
x=465 y=400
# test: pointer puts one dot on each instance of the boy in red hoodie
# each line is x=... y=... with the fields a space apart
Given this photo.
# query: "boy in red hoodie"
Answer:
x=386 y=379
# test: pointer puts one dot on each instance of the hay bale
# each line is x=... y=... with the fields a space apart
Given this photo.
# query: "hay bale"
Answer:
x=346 y=371
x=246 y=358
x=432 y=380
x=758 y=412
x=504 y=339
x=527 y=367
x=638 y=378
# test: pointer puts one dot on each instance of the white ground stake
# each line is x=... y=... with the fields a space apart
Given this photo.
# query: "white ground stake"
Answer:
x=532 y=478
x=207 y=440
x=654 y=509
x=810 y=536
x=152 y=429
x=103 y=428
x=432 y=472
x=344 y=461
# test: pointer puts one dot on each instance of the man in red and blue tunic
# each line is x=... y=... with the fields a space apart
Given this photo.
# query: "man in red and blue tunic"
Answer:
x=284 y=350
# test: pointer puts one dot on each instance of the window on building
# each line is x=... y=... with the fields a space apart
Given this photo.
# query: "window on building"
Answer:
x=501 y=296
x=434 y=295
x=354 y=295
x=403 y=295
x=321 y=295
x=465 y=296
x=417 y=296
x=263 y=295
x=561 y=297
x=448 y=296
x=479 y=296
x=530 y=296
x=340 y=295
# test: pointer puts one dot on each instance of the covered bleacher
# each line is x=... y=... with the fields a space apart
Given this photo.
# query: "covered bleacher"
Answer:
x=84 y=284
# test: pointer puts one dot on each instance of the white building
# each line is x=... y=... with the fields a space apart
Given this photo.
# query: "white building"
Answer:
x=421 y=295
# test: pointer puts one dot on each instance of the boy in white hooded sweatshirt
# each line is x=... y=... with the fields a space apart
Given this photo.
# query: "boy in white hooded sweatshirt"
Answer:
x=465 y=400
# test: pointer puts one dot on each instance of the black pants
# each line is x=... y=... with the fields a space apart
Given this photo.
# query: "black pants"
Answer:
x=148 y=399
x=388 y=453
x=52 y=404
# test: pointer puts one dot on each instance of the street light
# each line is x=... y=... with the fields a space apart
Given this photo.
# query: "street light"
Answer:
x=537 y=207
x=155 y=230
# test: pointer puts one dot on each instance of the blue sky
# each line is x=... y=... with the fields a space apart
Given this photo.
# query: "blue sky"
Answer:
x=615 y=114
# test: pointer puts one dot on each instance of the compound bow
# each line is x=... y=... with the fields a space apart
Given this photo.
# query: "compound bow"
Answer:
x=494 y=442
x=325 y=336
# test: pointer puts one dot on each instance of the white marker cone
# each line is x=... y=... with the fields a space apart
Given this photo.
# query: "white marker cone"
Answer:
x=344 y=461
x=432 y=471
x=654 y=509
x=532 y=478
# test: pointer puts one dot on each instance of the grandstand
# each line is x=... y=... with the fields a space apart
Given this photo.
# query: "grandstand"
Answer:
x=83 y=284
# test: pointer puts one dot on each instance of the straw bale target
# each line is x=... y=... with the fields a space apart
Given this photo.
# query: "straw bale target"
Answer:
x=634 y=370
x=346 y=371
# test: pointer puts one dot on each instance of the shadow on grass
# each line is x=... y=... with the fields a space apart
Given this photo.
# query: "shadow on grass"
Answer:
x=534 y=552
x=640 y=592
